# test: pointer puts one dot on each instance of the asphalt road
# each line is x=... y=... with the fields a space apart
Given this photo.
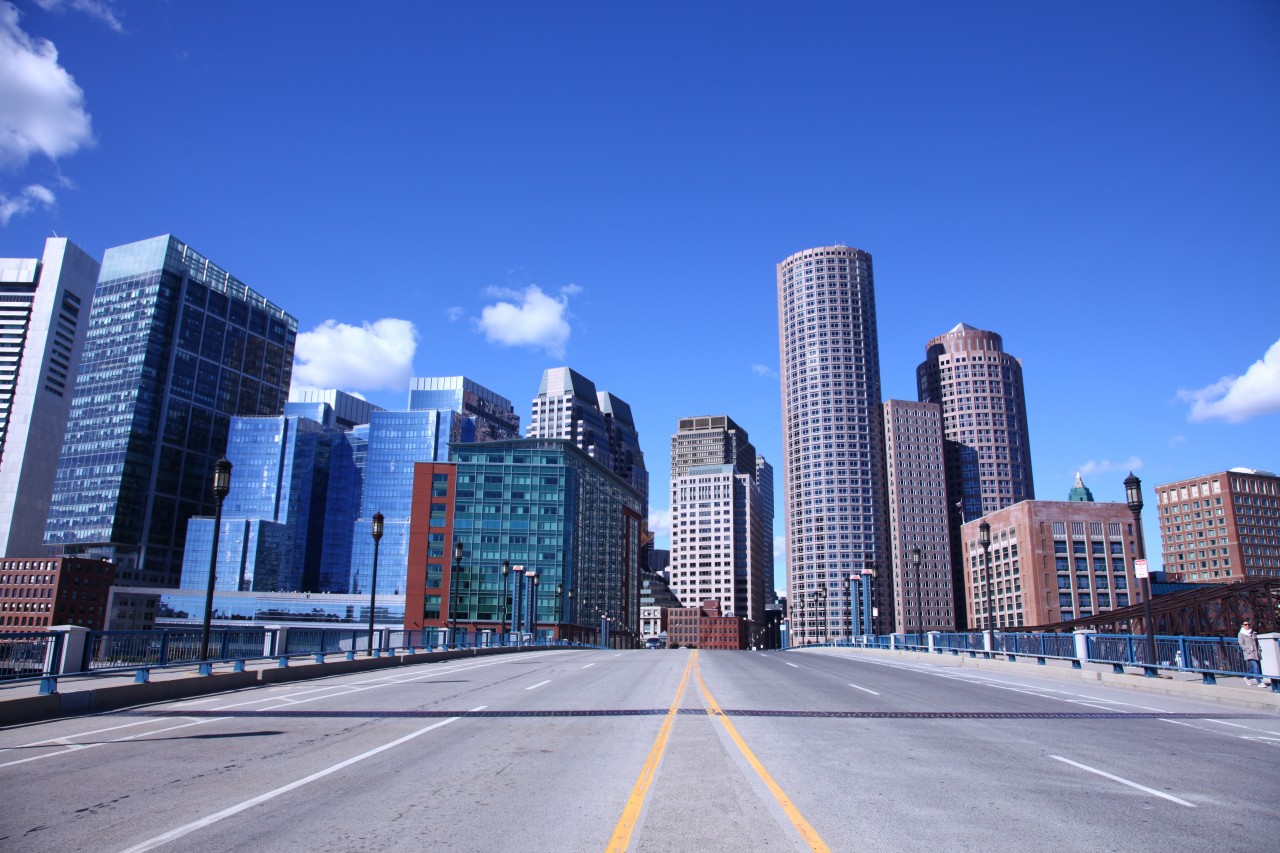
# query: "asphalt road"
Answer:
x=651 y=751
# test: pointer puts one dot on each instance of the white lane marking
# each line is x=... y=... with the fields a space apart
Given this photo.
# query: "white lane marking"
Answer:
x=864 y=690
x=81 y=734
x=174 y=834
x=618 y=655
x=479 y=708
x=77 y=747
x=539 y=684
x=590 y=664
x=1113 y=778
x=789 y=663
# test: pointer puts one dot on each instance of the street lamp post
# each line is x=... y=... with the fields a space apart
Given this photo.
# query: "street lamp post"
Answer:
x=221 y=486
x=915 y=562
x=984 y=539
x=506 y=568
x=378 y=519
x=853 y=607
x=453 y=583
x=530 y=617
x=866 y=601
x=1133 y=497
x=821 y=597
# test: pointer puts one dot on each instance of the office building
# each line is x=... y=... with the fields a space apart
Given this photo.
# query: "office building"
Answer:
x=721 y=524
x=704 y=626
x=568 y=406
x=1219 y=528
x=44 y=312
x=656 y=598
x=1050 y=561
x=273 y=518
x=984 y=426
x=330 y=407
x=176 y=347
x=914 y=464
x=443 y=411
x=566 y=528
x=832 y=439
x=37 y=593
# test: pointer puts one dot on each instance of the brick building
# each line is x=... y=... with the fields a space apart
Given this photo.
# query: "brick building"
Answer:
x=37 y=593
x=1220 y=528
x=704 y=627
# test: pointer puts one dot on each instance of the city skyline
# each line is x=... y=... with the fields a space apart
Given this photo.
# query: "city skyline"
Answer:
x=1070 y=178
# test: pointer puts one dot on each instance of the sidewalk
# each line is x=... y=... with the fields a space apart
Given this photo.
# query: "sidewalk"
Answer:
x=86 y=694
x=1186 y=685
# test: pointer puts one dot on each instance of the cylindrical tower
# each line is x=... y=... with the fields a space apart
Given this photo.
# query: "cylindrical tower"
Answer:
x=832 y=440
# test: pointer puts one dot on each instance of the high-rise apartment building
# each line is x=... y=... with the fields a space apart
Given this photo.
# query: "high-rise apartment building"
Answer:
x=568 y=406
x=176 y=347
x=721 y=523
x=44 y=312
x=832 y=436
x=984 y=423
x=1220 y=528
x=918 y=518
x=443 y=411
x=1049 y=562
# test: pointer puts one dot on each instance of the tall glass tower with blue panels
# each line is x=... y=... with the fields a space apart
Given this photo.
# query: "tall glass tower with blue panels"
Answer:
x=273 y=519
x=176 y=347
x=443 y=410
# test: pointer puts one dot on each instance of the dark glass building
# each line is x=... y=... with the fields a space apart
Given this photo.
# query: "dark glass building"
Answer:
x=176 y=347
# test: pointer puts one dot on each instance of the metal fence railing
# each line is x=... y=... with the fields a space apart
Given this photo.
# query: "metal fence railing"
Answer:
x=28 y=655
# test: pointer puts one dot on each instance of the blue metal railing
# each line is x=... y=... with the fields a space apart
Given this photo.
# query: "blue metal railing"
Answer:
x=115 y=650
x=29 y=654
x=1208 y=657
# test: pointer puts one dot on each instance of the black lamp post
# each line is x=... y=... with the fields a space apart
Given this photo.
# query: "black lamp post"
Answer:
x=378 y=519
x=1133 y=497
x=506 y=569
x=531 y=616
x=984 y=539
x=853 y=607
x=915 y=562
x=221 y=486
x=821 y=596
x=453 y=582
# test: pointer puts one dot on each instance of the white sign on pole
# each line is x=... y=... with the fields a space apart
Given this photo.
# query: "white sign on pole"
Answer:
x=1140 y=568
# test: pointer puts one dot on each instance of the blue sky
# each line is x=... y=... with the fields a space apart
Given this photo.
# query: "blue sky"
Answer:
x=495 y=188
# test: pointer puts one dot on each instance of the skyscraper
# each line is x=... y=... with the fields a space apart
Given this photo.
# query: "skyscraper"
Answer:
x=568 y=406
x=176 y=347
x=832 y=436
x=922 y=595
x=984 y=423
x=44 y=312
x=721 y=521
x=443 y=411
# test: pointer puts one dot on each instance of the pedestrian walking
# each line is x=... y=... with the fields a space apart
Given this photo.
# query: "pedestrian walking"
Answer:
x=1248 y=640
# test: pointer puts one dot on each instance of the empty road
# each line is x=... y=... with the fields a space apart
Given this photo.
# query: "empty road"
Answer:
x=670 y=750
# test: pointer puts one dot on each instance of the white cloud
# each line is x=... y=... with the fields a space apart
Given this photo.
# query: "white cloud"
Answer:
x=372 y=357
x=100 y=9
x=1177 y=441
x=41 y=107
x=538 y=320
x=454 y=314
x=1106 y=466
x=25 y=202
x=1236 y=399
x=762 y=370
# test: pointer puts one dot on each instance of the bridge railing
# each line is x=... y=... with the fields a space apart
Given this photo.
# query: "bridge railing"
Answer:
x=31 y=654
x=1208 y=657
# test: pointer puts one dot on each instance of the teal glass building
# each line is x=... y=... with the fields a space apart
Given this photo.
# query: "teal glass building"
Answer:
x=176 y=347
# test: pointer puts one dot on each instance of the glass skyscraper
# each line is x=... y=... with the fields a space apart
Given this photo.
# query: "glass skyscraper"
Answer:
x=832 y=440
x=176 y=347
x=443 y=410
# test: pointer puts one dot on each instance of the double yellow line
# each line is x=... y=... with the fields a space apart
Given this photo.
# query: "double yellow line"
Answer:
x=621 y=839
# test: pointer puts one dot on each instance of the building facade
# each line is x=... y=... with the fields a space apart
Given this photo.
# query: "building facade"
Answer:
x=568 y=406
x=836 y=518
x=175 y=348
x=550 y=543
x=705 y=627
x=37 y=593
x=721 y=523
x=923 y=598
x=984 y=423
x=443 y=411
x=1050 y=561
x=1220 y=528
x=44 y=313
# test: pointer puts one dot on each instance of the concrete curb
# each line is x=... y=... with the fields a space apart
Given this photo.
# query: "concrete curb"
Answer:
x=30 y=709
x=1223 y=694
